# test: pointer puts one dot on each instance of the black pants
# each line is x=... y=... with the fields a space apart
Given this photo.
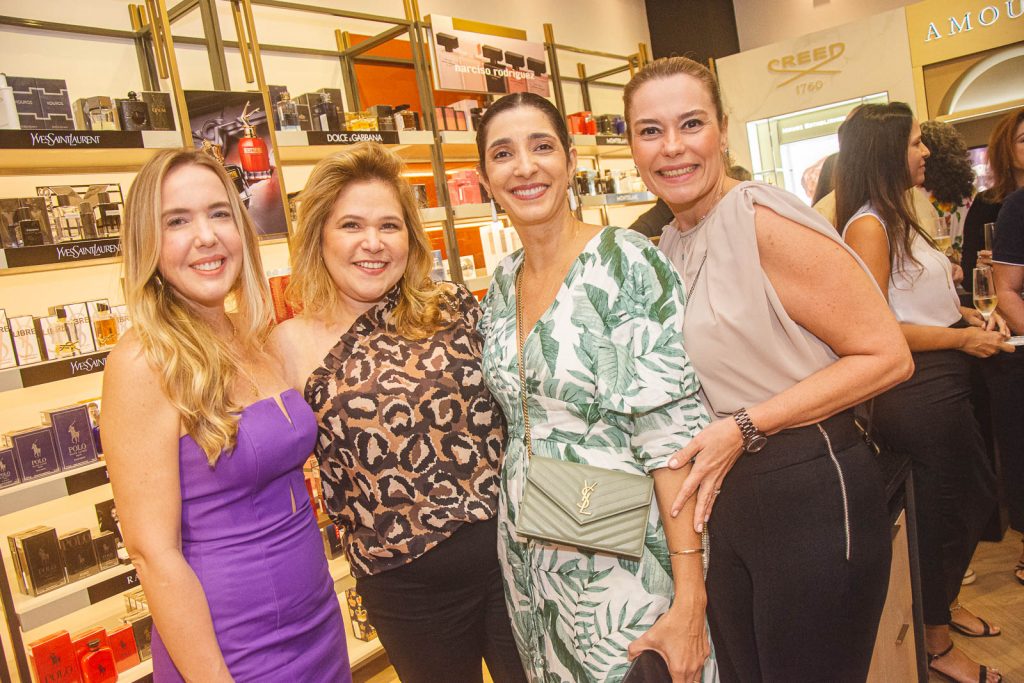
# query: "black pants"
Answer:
x=1004 y=378
x=930 y=417
x=797 y=575
x=443 y=613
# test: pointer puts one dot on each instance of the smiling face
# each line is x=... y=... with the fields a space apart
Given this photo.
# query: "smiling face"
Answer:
x=526 y=168
x=365 y=244
x=200 y=245
x=917 y=152
x=677 y=143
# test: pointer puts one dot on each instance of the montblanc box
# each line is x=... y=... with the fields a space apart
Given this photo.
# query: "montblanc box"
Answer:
x=73 y=433
x=79 y=554
x=65 y=252
x=616 y=140
x=37 y=559
x=35 y=452
x=384 y=137
x=8 y=470
x=70 y=139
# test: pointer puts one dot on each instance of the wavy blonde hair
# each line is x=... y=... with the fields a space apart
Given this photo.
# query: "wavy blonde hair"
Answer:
x=197 y=368
x=418 y=312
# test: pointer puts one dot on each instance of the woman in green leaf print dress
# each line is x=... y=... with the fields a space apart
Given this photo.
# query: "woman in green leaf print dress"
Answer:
x=608 y=384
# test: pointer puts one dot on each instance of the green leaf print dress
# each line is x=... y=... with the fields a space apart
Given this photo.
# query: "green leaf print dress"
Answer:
x=610 y=385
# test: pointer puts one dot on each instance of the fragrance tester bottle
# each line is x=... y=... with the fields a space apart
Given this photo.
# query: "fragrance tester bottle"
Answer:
x=252 y=150
x=133 y=113
x=287 y=112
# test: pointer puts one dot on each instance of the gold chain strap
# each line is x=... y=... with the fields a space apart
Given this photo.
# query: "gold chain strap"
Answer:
x=521 y=338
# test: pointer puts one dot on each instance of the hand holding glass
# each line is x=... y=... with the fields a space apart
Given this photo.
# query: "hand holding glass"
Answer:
x=985 y=299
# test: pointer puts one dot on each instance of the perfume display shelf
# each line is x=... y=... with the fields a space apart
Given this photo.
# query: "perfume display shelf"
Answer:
x=66 y=151
x=54 y=487
x=33 y=375
x=621 y=199
x=40 y=610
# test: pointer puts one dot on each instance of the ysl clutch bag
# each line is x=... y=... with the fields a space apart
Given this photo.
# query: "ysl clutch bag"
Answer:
x=589 y=507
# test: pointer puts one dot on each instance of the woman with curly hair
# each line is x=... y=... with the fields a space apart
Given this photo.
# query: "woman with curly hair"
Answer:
x=948 y=178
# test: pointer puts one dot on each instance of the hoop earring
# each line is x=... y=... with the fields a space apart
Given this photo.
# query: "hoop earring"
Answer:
x=573 y=202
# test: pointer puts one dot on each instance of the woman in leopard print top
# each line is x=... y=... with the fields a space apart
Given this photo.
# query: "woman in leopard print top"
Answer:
x=410 y=440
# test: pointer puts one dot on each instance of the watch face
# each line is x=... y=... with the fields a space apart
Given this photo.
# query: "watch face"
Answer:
x=756 y=443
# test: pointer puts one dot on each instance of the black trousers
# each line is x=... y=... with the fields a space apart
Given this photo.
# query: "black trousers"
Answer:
x=799 y=560
x=1004 y=378
x=442 y=614
x=930 y=417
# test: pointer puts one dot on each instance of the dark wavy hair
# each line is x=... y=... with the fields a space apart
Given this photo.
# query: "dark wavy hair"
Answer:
x=872 y=169
x=1000 y=157
x=947 y=173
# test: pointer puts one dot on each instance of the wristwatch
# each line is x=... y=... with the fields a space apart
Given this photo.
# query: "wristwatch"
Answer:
x=753 y=438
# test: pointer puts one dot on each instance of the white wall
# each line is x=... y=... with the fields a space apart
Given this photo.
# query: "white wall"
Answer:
x=762 y=22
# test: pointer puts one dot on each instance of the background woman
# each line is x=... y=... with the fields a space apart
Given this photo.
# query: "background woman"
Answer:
x=589 y=319
x=930 y=416
x=786 y=333
x=949 y=181
x=409 y=438
x=213 y=507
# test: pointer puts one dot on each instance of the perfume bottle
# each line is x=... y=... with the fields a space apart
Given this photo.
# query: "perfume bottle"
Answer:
x=28 y=232
x=326 y=113
x=100 y=113
x=133 y=113
x=493 y=56
x=109 y=223
x=288 y=112
x=104 y=327
x=406 y=118
x=98 y=664
x=449 y=75
x=8 y=109
x=65 y=334
x=539 y=83
x=516 y=62
x=69 y=218
x=252 y=150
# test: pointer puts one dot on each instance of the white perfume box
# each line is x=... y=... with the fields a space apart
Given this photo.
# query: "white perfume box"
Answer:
x=7 y=357
x=120 y=314
x=26 y=344
x=78 y=315
x=50 y=333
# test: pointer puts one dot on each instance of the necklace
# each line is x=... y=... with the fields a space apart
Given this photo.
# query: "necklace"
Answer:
x=700 y=221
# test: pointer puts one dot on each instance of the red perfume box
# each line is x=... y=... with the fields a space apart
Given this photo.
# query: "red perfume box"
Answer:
x=81 y=640
x=122 y=641
x=53 y=659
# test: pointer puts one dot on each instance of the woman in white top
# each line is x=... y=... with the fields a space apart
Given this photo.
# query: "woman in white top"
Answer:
x=929 y=416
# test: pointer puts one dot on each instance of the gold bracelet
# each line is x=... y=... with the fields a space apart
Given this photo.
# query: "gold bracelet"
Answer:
x=688 y=551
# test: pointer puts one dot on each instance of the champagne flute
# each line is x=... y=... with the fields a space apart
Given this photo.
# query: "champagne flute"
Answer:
x=985 y=299
x=942 y=237
x=990 y=235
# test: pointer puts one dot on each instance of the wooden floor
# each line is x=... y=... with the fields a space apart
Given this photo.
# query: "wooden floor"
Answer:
x=996 y=596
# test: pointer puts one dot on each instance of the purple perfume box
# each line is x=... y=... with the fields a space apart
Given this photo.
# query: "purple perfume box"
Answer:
x=8 y=470
x=73 y=433
x=35 y=453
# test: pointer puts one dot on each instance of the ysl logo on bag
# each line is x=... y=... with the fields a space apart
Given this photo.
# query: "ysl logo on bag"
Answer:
x=585 y=492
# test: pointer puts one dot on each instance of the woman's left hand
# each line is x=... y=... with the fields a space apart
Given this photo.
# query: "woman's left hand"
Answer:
x=680 y=637
x=996 y=322
x=976 y=319
x=716 y=449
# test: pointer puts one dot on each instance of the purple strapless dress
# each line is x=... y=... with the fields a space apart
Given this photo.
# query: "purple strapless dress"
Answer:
x=261 y=565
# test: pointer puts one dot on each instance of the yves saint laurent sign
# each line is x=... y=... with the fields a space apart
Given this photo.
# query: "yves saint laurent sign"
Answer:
x=85 y=250
x=95 y=139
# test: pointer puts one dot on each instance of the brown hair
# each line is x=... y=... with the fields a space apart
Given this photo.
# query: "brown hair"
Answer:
x=514 y=101
x=1000 y=157
x=311 y=288
x=666 y=67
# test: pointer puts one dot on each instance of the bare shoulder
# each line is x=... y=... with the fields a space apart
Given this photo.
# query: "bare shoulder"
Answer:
x=865 y=227
x=288 y=334
x=781 y=237
x=127 y=363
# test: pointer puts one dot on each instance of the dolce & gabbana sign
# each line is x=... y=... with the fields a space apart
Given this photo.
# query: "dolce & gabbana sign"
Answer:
x=384 y=137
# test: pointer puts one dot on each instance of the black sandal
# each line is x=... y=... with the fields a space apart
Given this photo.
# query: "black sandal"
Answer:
x=986 y=628
x=982 y=669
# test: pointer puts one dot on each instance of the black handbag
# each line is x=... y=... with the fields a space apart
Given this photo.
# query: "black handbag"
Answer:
x=648 y=667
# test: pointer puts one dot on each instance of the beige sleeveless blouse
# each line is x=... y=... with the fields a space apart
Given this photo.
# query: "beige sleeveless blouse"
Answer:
x=741 y=341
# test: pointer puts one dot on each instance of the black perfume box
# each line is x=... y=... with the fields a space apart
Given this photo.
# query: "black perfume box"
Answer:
x=17 y=210
x=72 y=431
x=42 y=103
x=37 y=560
x=79 y=554
x=161 y=111
x=275 y=94
x=106 y=549
x=142 y=628
x=8 y=470
x=35 y=452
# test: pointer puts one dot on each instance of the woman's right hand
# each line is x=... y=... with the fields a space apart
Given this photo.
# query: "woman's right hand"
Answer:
x=982 y=343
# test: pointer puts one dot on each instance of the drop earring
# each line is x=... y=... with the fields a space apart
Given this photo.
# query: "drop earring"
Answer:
x=494 y=211
x=573 y=203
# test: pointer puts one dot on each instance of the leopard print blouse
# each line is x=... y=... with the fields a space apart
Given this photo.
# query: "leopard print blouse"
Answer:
x=409 y=438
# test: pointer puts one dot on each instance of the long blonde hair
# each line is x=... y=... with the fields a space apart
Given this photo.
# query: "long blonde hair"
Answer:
x=197 y=368
x=417 y=314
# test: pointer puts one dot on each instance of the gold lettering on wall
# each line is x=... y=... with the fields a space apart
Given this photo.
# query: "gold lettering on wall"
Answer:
x=807 y=62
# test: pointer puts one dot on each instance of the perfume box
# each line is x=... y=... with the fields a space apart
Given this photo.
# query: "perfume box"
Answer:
x=121 y=640
x=106 y=549
x=106 y=517
x=80 y=641
x=161 y=112
x=275 y=95
x=79 y=554
x=361 y=628
x=7 y=357
x=24 y=222
x=142 y=629
x=38 y=560
x=35 y=452
x=72 y=430
x=51 y=335
x=26 y=342
x=53 y=659
x=8 y=470
x=42 y=103
x=78 y=315
x=120 y=314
